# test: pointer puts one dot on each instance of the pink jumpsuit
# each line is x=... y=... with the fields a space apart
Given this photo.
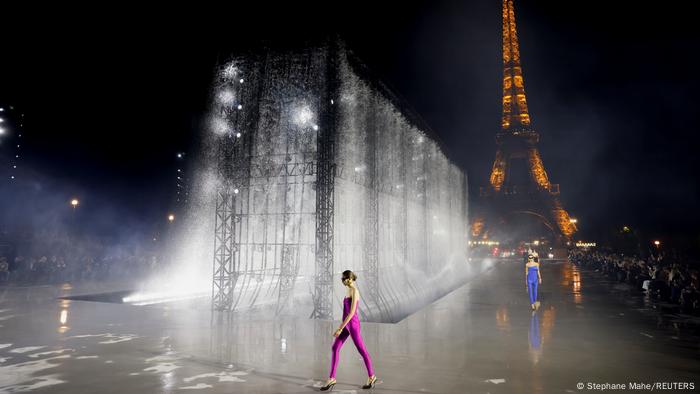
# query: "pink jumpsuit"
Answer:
x=352 y=329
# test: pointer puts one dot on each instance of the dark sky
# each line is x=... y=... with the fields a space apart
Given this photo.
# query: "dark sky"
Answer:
x=612 y=87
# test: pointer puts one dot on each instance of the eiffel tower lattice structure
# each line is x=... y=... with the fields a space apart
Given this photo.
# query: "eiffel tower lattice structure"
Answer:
x=518 y=184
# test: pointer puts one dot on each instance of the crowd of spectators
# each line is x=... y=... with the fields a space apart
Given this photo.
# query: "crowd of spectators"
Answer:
x=56 y=259
x=661 y=277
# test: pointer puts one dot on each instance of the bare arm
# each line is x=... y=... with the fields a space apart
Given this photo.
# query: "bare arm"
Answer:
x=538 y=273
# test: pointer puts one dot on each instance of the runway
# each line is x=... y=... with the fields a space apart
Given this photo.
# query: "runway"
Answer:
x=481 y=338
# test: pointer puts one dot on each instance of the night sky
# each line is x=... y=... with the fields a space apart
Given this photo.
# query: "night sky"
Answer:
x=111 y=97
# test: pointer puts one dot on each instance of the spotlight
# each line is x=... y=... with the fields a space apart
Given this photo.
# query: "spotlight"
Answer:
x=226 y=97
x=303 y=116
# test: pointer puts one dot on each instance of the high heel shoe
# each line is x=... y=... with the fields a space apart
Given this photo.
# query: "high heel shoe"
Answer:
x=372 y=381
x=329 y=386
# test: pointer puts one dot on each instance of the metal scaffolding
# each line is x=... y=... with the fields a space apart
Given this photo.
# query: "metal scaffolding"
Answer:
x=318 y=169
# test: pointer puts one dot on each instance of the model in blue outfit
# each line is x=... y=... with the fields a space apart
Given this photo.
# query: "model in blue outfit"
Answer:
x=532 y=280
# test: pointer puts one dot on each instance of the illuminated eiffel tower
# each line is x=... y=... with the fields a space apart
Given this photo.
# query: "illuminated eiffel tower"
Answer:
x=512 y=193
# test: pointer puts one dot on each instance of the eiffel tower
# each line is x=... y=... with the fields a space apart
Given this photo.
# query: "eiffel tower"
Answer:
x=519 y=186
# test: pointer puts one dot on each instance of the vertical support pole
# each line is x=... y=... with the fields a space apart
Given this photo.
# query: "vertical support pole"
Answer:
x=233 y=173
x=325 y=186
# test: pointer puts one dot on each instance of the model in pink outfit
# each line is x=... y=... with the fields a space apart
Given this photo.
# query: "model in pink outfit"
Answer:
x=350 y=327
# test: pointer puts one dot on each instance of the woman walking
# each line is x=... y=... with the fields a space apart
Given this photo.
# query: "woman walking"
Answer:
x=532 y=279
x=349 y=327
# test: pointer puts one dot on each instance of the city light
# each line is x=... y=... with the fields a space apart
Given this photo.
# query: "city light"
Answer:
x=487 y=243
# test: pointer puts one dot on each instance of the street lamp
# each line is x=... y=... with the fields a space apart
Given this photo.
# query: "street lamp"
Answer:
x=74 y=202
x=657 y=243
x=171 y=218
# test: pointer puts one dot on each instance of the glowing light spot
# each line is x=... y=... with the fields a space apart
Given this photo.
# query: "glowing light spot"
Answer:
x=303 y=116
x=226 y=97
x=220 y=126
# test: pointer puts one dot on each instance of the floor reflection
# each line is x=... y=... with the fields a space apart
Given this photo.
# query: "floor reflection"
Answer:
x=63 y=317
x=571 y=279
x=502 y=320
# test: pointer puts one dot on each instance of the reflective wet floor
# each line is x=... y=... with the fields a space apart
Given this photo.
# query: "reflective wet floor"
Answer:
x=481 y=338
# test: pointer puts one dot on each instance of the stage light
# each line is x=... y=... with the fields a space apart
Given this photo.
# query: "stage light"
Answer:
x=230 y=71
x=303 y=116
x=220 y=126
x=226 y=97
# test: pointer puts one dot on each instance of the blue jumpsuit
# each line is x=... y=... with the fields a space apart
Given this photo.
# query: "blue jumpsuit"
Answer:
x=532 y=281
